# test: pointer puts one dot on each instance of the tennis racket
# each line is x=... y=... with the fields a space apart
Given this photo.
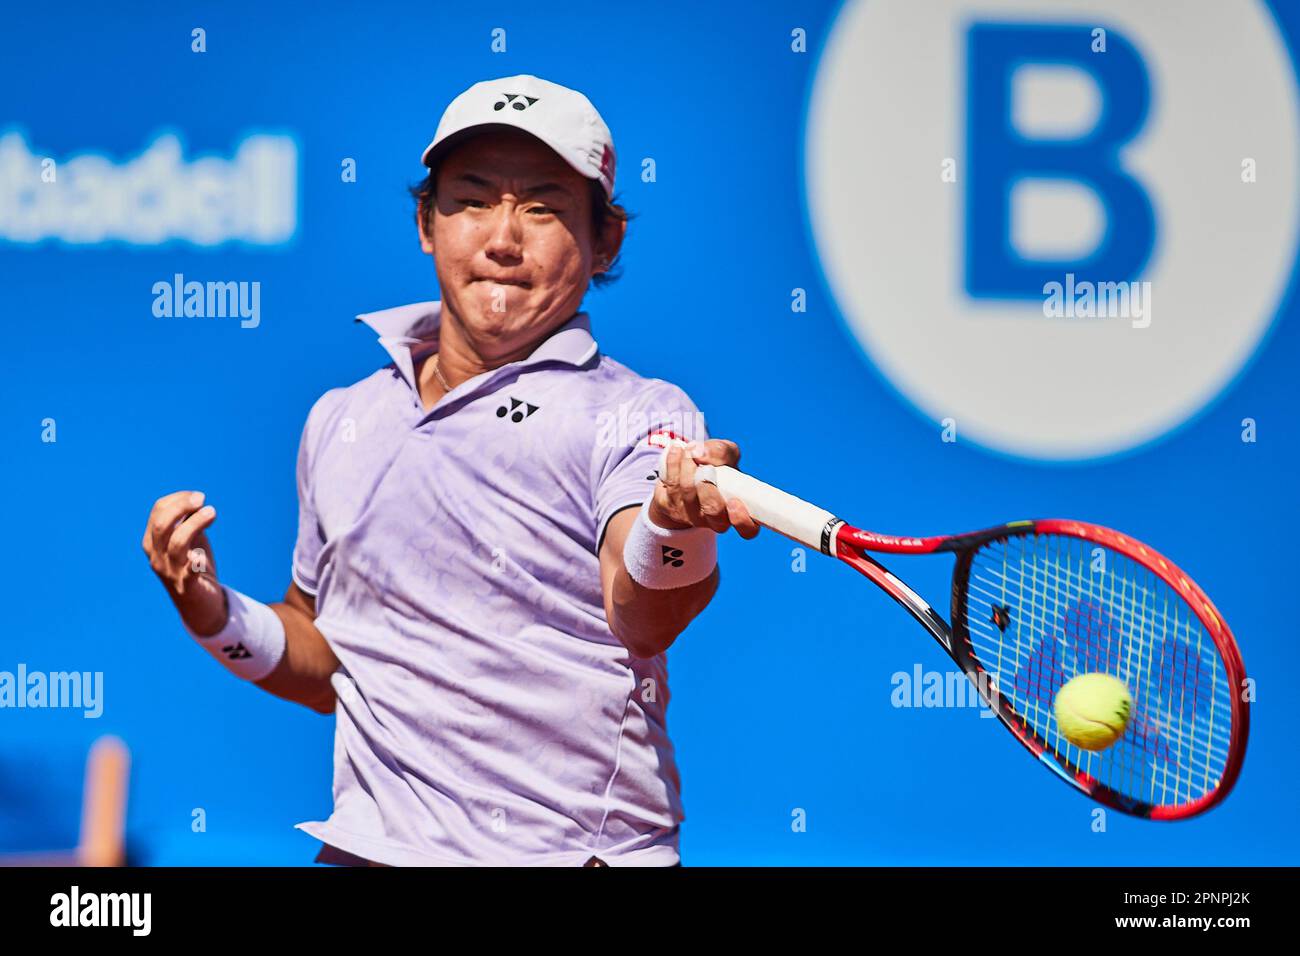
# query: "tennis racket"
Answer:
x=1034 y=603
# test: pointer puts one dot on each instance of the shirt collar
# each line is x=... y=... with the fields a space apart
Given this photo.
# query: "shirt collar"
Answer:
x=415 y=327
x=417 y=323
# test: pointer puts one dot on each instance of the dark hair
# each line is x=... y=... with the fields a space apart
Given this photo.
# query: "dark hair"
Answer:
x=603 y=212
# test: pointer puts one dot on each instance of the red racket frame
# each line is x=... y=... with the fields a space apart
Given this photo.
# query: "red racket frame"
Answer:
x=851 y=545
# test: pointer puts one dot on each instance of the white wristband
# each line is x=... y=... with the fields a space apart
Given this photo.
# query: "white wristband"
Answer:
x=663 y=558
x=252 y=642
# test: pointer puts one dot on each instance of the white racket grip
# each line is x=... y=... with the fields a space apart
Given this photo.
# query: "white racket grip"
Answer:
x=778 y=510
x=771 y=507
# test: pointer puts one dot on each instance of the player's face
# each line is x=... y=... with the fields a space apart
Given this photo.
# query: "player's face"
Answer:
x=511 y=239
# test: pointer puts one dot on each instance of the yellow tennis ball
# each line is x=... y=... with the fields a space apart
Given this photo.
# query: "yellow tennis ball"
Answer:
x=1092 y=710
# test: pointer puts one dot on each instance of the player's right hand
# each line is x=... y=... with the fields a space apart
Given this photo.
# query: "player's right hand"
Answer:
x=181 y=556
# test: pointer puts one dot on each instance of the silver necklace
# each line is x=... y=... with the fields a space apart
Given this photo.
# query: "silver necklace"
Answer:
x=437 y=373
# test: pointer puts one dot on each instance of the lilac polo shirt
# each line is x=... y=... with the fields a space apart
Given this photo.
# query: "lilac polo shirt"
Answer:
x=486 y=714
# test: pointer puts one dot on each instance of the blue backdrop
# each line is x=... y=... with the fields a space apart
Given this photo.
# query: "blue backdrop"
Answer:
x=778 y=706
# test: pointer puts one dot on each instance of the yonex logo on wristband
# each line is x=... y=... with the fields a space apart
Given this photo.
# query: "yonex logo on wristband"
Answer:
x=252 y=642
x=673 y=556
x=655 y=557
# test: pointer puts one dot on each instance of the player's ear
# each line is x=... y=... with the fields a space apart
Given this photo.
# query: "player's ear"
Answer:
x=422 y=217
x=609 y=242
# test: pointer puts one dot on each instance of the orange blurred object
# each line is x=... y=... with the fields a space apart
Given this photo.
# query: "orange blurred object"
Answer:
x=102 y=841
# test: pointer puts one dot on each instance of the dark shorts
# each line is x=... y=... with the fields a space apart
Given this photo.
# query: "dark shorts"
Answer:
x=336 y=857
x=597 y=861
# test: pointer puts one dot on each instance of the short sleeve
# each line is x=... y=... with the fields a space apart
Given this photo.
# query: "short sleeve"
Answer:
x=626 y=462
x=310 y=540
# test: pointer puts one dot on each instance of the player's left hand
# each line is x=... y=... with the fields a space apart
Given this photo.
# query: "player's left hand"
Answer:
x=680 y=502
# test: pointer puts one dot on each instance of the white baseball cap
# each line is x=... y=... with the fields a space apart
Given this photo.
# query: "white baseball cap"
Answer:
x=561 y=118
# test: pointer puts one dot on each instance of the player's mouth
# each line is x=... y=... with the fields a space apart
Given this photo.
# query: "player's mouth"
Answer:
x=520 y=283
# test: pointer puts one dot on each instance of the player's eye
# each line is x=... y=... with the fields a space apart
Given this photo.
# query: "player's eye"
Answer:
x=543 y=210
x=473 y=203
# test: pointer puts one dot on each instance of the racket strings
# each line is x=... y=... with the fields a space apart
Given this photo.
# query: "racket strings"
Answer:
x=1042 y=674
x=1042 y=609
x=1176 y=658
x=1142 y=728
x=1150 y=740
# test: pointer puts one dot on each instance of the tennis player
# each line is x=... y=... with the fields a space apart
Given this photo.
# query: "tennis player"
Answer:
x=492 y=556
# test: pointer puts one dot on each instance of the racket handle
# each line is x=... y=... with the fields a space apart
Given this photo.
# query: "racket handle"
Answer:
x=771 y=507
x=778 y=510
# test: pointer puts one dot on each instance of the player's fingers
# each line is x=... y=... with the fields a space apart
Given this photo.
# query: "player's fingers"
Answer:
x=166 y=511
x=184 y=535
x=671 y=470
x=713 y=507
x=699 y=455
x=667 y=494
x=688 y=495
x=741 y=519
x=717 y=451
x=156 y=526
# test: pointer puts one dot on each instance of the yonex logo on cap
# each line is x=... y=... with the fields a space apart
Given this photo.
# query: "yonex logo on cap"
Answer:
x=515 y=100
x=570 y=124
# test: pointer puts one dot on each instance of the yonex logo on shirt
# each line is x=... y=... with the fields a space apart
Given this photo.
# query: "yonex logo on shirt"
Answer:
x=516 y=413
